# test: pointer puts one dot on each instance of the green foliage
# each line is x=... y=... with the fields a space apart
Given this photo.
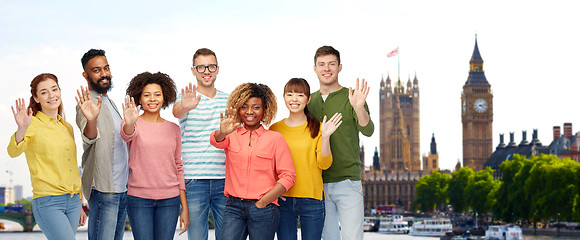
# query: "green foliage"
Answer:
x=456 y=188
x=26 y=203
x=478 y=189
x=431 y=191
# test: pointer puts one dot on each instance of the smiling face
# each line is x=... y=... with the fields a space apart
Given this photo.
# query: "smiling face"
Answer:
x=98 y=74
x=296 y=102
x=151 y=98
x=327 y=68
x=48 y=96
x=206 y=78
x=251 y=113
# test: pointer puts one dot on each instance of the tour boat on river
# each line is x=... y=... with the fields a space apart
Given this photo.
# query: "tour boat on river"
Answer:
x=504 y=232
x=431 y=227
x=394 y=224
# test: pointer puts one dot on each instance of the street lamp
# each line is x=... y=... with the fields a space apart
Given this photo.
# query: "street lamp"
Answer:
x=558 y=230
x=535 y=223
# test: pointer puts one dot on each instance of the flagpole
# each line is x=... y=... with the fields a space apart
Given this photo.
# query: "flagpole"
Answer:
x=399 y=62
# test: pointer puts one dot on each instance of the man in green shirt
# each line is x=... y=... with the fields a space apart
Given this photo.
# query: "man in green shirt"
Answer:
x=342 y=181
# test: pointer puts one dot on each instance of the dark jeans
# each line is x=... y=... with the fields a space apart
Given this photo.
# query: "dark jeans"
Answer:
x=153 y=219
x=311 y=213
x=107 y=215
x=243 y=218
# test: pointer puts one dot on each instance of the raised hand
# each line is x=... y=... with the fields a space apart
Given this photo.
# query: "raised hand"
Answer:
x=21 y=115
x=130 y=111
x=328 y=128
x=189 y=97
x=358 y=96
x=89 y=109
x=228 y=122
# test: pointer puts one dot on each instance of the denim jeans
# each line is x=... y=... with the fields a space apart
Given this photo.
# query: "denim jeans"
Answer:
x=153 y=219
x=311 y=213
x=107 y=215
x=57 y=216
x=242 y=217
x=344 y=204
x=203 y=195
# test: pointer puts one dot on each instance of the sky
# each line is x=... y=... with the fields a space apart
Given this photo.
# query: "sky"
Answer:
x=530 y=51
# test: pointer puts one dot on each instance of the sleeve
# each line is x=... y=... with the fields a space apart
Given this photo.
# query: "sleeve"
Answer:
x=284 y=163
x=178 y=160
x=15 y=149
x=323 y=162
x=129 y=138
x=82 y=123
x=221 y=145
x=369 y=128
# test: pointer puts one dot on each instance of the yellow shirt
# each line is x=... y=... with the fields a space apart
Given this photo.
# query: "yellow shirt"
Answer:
x=50 y=152
x=308 y=161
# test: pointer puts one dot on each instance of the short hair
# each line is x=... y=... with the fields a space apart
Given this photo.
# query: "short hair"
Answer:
x=138 y=83
x=33 y=91
x=203 y=52
x=326 y=50
x=249 y=90
x=90 y=55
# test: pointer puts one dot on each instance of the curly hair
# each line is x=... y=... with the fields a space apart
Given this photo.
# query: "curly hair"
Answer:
x=90 y=55
x=33 y=91
x=326 y=50
x=249 y=90
x=139 y=82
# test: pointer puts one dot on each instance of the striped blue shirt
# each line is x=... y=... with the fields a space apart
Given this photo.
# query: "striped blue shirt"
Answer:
x=201 y=160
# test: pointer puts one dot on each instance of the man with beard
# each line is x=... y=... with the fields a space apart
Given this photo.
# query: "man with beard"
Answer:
x=105 y=166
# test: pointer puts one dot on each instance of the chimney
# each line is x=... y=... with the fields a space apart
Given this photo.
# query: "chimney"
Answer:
x=535 y=140
x=568 y=130
x=556 y=132
x=524 y=138
x=501 y=143
x=512 y=141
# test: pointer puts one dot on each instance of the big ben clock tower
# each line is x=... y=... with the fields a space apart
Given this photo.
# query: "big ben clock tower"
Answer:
x=476 y=114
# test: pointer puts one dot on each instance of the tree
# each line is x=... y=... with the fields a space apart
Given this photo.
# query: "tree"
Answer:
x=456 y=189
x=431 y=191
x=478 y=189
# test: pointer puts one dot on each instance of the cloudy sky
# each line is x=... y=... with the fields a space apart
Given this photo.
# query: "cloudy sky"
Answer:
x=530 y=49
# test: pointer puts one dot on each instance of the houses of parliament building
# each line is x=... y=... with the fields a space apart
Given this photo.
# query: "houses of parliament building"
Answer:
x=392 y=177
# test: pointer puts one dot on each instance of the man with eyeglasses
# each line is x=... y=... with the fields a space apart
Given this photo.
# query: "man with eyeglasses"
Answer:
x=198 y=108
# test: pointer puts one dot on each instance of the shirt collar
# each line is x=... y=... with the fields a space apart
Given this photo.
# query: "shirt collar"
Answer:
x=45 y=118
x=242 y=130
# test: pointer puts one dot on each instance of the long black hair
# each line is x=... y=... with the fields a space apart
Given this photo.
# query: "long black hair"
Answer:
x=299 y=85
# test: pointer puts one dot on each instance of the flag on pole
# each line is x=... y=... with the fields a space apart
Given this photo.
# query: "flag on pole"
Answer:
x=393 y=53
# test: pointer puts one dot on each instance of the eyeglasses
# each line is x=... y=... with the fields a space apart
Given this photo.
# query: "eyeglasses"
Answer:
x=210 y=68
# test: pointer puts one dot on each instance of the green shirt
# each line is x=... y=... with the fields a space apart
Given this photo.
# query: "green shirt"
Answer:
x=344 y=142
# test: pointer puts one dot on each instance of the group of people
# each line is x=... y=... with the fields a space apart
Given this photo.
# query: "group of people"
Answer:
x=257 y=181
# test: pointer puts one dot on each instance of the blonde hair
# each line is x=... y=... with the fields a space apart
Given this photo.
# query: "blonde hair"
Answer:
x=249 y=90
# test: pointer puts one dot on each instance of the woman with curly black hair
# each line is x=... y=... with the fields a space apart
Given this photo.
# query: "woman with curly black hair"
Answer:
x=259 y=166
x=156 y=185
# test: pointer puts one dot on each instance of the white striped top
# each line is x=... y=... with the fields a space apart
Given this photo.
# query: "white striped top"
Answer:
x=201 y=160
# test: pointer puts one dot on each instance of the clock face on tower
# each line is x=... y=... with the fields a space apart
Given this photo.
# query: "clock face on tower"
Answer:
x=480 y=105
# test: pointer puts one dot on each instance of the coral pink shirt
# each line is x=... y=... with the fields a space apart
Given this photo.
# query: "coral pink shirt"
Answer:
x=253 y=170
x=155 y=165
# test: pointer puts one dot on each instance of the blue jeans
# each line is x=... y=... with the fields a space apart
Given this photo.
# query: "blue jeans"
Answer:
x=344 y=204
x=57 y=216
x=107 y=215
x=242 y=217
x=153 y=219
x=311 y=213
x=203 y=195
